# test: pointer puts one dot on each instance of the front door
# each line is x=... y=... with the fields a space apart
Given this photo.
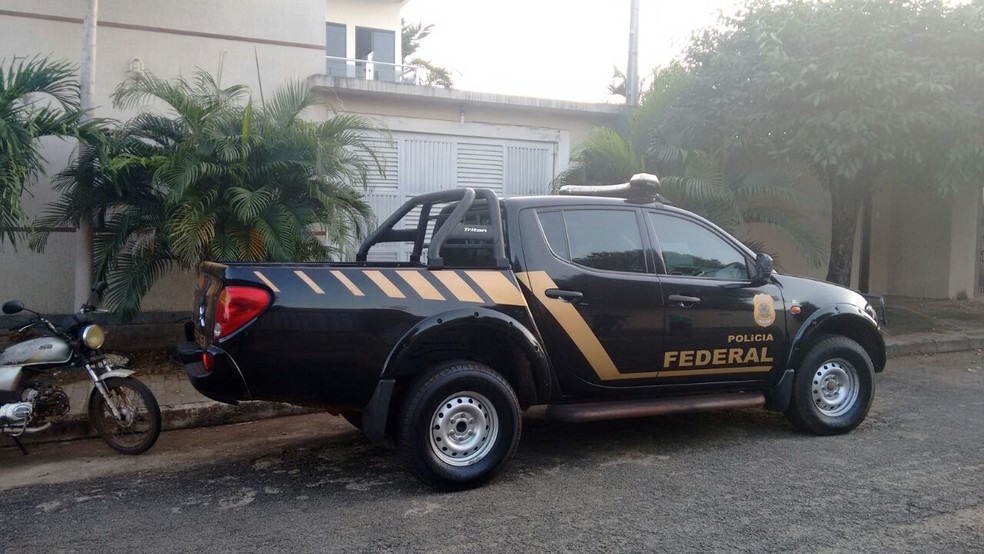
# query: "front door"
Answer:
x=598 y=301
x=719 y=327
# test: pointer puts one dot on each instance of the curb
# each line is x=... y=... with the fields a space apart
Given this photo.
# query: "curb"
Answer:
x=932 y=343
x=181 y=416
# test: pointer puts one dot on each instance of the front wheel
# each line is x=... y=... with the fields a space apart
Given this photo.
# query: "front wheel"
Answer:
x=833 y=388
x=459 y=425
x=139 y=424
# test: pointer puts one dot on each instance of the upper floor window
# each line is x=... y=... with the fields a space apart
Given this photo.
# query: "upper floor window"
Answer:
x=693 y=250
x=599 y=239
x=379 y=46
x=335 y=44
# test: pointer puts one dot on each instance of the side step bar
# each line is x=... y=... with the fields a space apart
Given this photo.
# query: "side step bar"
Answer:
x=624 y=409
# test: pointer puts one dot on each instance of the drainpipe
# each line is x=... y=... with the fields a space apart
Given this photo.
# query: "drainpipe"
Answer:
x=83 y=235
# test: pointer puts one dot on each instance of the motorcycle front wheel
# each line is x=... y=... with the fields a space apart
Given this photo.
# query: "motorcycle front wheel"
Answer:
x=139 y=424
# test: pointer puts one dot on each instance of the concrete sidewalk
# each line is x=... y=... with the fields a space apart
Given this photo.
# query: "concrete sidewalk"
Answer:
x=916 y=327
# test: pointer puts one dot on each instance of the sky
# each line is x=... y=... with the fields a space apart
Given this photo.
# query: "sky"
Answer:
x=562 y=49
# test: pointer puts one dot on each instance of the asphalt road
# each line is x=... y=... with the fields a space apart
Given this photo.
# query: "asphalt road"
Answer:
x=910 y=479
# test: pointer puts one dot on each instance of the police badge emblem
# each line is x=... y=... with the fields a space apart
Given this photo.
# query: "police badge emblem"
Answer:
x=765 y=310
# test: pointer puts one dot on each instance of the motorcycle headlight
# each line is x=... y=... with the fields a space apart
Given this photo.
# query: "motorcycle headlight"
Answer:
x=93 y=336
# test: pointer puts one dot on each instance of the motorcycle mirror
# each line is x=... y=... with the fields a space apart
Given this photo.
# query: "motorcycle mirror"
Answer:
x=99 y=287
x=11 y=307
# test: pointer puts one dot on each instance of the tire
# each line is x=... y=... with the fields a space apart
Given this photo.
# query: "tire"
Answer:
x=459 y=425
x=141 y=423
x=833 y=388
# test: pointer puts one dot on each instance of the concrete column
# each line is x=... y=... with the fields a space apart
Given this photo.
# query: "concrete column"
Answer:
x=83 y=235
x=965 y=209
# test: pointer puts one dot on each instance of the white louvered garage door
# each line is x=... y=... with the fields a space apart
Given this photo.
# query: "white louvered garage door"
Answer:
x=418 y=163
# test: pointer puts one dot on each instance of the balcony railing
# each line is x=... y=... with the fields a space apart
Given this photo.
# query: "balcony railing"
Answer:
x=371 y=70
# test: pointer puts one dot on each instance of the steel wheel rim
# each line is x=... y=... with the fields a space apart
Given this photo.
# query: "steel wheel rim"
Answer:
x=463 y=429
x=835 y=387
x=135 y=424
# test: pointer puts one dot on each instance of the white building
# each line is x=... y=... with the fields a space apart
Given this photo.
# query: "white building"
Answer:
x=345 y=49
x=349 y=50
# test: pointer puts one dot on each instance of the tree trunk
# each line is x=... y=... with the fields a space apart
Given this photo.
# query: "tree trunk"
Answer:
x=845 y=202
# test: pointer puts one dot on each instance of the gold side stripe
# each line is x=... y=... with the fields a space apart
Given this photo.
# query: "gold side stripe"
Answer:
x=715 y=371
x=458 y=287
x=314 y=286
x=266 y=281
x=384 y=284
x=348 y=284
x=579 y=331
x=420 y=284
x=499 y=288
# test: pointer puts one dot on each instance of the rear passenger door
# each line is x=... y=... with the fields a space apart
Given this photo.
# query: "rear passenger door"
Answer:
x=599 y=308
x=719 y=326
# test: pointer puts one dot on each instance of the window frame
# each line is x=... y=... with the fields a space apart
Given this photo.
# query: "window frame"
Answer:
x=647 y=247
x=740 y=248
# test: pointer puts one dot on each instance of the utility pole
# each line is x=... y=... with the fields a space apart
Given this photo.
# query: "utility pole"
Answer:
x=87 y=74
x=632 y=72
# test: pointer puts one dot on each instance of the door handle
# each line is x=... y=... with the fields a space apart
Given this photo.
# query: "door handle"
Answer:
x=571 y=296
x=685 y=301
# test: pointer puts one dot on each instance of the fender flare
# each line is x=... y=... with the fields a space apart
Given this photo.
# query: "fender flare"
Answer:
x=472 y=318
x=376 y=412
x=861 y=325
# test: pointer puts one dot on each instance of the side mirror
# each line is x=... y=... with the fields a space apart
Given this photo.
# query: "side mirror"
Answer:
x=763 y=268
x=12 y=307
x=99 y=287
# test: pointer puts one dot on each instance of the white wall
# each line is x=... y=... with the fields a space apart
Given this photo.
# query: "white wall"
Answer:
x=286 y=37
x=378 y=14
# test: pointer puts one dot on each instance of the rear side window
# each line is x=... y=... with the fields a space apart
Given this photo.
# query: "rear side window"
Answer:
x=601 y=239
x=692 y=250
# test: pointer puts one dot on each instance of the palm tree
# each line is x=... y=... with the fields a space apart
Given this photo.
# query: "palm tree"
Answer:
x=411 y=35
x=38 y=98
x=215 y=178
x=730 y=187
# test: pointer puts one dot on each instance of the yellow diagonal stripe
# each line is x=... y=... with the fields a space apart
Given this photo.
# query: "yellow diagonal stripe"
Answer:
x=458 y=287
x=387 y=286
x=420 y=284
x=498 y=287
x=574 y=325
x=314 y=286
x=348 y=284
x=266 y=281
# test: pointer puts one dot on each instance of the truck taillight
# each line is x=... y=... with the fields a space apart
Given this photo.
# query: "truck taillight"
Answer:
x=238 y=306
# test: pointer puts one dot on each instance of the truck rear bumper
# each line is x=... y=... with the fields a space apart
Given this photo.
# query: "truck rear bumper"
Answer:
x=223 y=381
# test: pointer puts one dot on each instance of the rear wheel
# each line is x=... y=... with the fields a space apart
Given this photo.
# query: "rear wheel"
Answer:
x=459 y=425
x=139 y=423
x=834 y=387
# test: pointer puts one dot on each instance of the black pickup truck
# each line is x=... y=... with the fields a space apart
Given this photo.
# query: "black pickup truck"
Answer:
x=598 y=308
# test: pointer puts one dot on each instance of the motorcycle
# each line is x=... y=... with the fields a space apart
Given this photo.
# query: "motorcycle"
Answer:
x=121 y=408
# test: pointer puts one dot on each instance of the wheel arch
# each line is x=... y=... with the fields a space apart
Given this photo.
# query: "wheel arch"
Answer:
x=840 y=321
x=482 y=335
x=478 y=334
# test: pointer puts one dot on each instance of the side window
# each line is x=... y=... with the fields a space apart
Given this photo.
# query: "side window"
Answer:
x=693 y=250
x=599 y=239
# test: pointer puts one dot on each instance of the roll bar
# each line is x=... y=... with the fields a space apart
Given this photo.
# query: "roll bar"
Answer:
x=451 y=228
